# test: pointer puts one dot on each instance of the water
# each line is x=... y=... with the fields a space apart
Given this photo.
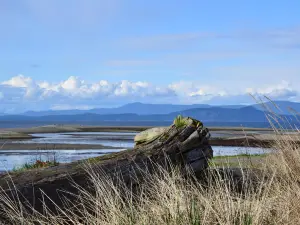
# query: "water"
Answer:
x=113 y=139
x=229 y=150
x=10 y=159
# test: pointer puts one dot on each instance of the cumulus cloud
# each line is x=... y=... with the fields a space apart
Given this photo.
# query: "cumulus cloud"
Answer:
x=195 y=92
x=21 y=93
x=26 y=83
x=279 y=91
x=19 y=81
x=77 y=93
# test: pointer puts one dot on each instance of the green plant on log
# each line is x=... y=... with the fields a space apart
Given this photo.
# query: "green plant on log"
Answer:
x=180 y=121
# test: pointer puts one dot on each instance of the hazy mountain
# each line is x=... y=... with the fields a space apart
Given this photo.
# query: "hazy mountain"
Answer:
x=162 y=112
x=146 y=109
x=137 y=108
x=52 y=112
x=280 y=107
x=211 y=114
x=220 y=114
x=230 y=106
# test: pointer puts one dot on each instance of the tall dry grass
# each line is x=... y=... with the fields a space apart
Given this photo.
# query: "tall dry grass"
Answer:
x=170 y=198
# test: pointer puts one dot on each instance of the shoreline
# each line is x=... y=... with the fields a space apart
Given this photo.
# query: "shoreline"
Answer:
x=221 y=136
x=79 y=128
x=234 y=142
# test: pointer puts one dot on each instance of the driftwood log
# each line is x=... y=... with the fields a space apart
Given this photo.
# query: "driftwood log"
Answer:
x=186 y=147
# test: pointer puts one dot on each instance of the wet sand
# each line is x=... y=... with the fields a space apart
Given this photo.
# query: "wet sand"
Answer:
x=14 y=135
x=73 y=128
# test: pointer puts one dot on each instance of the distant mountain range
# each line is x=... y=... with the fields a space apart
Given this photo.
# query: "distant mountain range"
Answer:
x=280 y=107
x=245 y=114
x=146 y=109
x=158 y=112
x=136 y=108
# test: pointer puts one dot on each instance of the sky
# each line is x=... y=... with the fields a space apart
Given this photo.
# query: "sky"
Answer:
x=83 y=54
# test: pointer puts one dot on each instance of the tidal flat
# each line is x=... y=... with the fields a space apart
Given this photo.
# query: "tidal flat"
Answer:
x=17 y=138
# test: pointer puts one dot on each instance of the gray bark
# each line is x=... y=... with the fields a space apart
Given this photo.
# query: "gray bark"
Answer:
x=185 y=147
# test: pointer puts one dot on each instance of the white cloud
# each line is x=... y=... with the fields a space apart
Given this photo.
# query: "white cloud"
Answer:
x=195 y=92
x=72 y=84
x=282 y=90
x=26 y=83
x=23 y=93
x=77 y=93
x=19 y=81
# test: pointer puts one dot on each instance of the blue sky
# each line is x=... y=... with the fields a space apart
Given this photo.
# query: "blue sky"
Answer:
x=62 y=54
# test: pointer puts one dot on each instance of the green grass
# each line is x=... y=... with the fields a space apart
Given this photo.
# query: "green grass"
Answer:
x=37 y=164
x=240 y=160
x=180 y=121
x=239 y=155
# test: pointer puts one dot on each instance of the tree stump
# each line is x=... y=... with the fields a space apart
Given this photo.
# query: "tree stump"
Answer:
x=184 y=144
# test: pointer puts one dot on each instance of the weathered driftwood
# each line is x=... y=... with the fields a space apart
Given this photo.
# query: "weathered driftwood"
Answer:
x=186 y=147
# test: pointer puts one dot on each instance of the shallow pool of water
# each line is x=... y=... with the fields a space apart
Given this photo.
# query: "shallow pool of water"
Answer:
x=10 y=159
x=230 y=150
x=114 y=139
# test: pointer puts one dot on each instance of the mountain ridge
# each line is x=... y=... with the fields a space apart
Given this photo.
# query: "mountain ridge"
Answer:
x=146 y=109
x=157 y=112
x=244 y=114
